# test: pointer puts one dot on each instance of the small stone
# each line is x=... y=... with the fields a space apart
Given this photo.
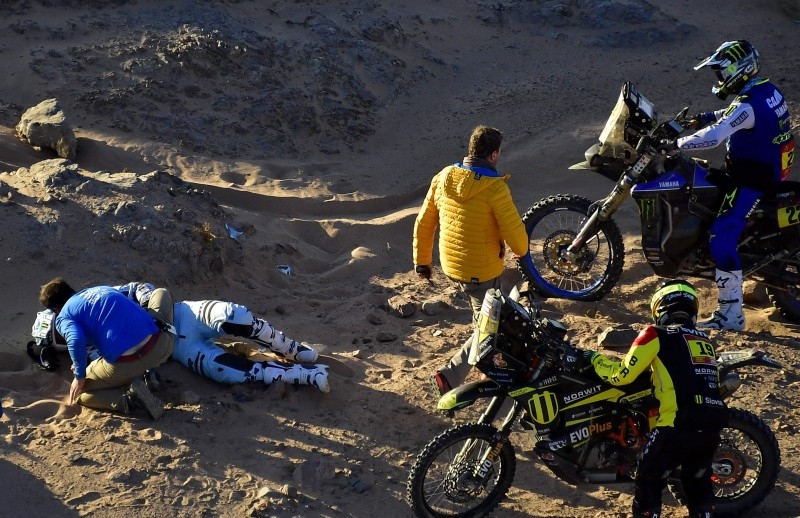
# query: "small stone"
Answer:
x=75 y=457
x=401 y=306
x=621 y=336
x=431 y=307
x=290 y=491
x=358 y=485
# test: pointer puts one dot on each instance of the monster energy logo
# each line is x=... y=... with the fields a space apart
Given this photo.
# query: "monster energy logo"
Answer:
x=543 y=407
x=730 y=109
x=647 y=208
x=735 y=52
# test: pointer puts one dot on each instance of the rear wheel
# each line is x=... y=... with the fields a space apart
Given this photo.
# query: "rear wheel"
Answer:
x=787 y=301
x=745 y=466
x=552 y=224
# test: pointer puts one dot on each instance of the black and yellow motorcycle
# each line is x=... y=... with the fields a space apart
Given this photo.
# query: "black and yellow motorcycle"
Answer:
x=585 y=431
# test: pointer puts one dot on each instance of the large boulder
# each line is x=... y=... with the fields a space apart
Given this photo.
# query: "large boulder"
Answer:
x=45 y=125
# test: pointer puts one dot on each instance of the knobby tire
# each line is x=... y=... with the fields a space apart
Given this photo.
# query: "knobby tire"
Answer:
x=739 y=502
x=435 y=494
x=551 y=224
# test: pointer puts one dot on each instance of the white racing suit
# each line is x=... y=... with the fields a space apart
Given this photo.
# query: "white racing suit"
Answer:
x=198 y=323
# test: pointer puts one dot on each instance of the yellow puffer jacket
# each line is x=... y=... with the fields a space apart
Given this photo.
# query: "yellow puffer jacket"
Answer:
x=474 y=217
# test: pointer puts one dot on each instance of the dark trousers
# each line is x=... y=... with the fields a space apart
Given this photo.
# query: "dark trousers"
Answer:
x=667 y=449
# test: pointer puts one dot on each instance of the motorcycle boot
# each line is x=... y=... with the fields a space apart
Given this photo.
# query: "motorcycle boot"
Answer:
x=440 y=384
x=278 y=343
x=728 y=315
x=297 y=374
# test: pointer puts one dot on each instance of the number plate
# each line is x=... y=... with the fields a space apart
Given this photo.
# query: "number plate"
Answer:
x=788 y=216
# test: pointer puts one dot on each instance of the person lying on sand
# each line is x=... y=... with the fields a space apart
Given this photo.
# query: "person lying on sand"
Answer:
x=197 y=324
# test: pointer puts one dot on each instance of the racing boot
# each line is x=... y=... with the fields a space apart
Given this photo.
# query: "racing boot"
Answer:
x=278 y=343
x=314 y=375
x=728 y=315
x=440 y=384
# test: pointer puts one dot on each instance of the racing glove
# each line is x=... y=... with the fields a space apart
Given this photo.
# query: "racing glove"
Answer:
x=702 y=120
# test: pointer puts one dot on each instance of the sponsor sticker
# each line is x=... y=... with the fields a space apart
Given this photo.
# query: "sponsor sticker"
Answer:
x=788 y=216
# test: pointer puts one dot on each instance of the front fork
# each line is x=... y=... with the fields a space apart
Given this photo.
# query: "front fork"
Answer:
x=609 y=206
x=483 y=469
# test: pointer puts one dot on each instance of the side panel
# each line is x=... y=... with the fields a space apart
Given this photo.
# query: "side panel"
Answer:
x=675 y=216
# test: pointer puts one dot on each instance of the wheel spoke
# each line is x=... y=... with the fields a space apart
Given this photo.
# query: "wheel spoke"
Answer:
x=444 y=481
x=552 y=235
x=587 y=274
x=737 y=464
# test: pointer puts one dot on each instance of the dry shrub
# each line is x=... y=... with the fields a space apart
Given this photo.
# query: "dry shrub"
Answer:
x=205 y=234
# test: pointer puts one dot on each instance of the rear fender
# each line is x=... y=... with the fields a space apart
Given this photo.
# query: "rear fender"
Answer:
x=468 y=393
x=732 y=360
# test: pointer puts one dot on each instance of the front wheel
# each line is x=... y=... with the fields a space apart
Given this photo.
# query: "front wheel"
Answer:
x=443 y=480
x=745 y=466
x=587 y=275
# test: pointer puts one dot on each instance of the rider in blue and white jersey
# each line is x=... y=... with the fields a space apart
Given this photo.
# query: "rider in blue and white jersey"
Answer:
x=760 y=152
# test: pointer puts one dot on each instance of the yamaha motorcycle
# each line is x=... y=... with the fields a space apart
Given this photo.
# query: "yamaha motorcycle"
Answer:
x=584 y=430
x=576 y=247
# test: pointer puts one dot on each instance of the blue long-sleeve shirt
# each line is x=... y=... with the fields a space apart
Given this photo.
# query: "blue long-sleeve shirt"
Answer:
x=105 y=318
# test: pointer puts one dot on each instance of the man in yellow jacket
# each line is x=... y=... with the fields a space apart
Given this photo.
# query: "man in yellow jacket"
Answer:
x=470 y=203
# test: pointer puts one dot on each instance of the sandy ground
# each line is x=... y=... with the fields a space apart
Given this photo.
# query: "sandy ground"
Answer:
x=315 y=127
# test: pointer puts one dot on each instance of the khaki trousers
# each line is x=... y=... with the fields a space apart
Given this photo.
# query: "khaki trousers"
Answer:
x=457 y=369
x=107 y=383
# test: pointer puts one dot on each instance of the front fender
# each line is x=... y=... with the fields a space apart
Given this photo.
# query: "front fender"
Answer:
x=468 y=393
x=608 y=168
